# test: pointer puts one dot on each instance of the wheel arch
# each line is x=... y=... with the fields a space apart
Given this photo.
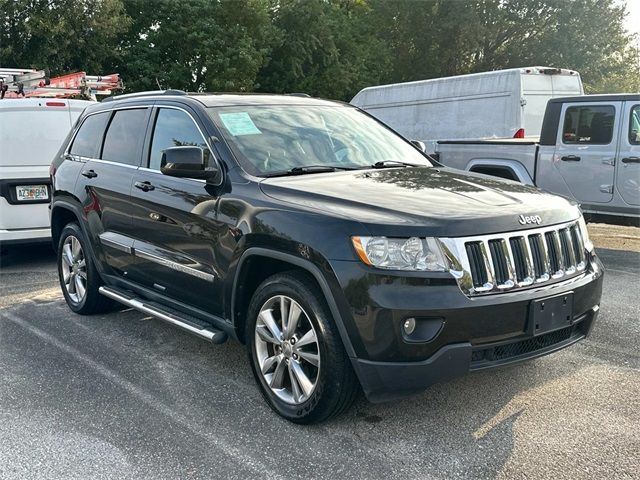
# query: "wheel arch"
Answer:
x=62 y=213
x=508 y=169
x=277 y=262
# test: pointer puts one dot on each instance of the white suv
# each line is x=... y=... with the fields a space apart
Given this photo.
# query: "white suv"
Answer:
x=31 y=132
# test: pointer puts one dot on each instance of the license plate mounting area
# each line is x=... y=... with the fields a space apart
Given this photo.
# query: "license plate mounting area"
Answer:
x=551 y=313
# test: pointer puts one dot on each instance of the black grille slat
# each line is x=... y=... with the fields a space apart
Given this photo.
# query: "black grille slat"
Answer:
x=499 y=261
x=554 y=260
x=536 y=252
x=577 y=243
x=476 y=261
x=519 y=257
x=564 y=246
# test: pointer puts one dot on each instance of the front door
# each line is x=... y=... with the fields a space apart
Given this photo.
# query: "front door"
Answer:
x=586 y=148
x=175 y=222
x=628 y=162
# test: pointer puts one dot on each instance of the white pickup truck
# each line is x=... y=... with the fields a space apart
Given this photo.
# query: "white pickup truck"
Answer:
x=589 y=151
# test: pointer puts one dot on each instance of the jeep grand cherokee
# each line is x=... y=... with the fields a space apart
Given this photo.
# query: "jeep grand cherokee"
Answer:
x=336 y=250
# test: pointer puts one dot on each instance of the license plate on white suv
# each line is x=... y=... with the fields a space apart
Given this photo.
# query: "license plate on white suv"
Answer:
x=25 y=193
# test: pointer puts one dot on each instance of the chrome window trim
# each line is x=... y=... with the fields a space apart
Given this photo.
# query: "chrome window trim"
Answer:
x=460 y=265
x=145 y=168
x=109 y=110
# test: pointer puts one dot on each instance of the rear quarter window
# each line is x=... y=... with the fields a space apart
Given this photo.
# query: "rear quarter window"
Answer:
x=87 y=141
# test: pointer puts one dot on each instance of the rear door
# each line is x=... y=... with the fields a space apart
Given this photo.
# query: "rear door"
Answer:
x=105 y=185
x=175 y=219
x=586 y=149
x=628 y=164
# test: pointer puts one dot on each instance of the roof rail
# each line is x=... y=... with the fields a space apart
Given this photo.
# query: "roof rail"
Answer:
x=145 y=94
x=298 y=94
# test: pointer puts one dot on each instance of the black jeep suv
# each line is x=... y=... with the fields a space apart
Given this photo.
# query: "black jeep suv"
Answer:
x=336 y=250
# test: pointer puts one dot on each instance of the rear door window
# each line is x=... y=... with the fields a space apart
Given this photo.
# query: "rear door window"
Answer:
x=125 y=136
x=87 y=140
x=591 y=124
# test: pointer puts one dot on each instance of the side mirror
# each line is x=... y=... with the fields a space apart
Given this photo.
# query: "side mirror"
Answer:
x=187 y=162
x=419 y=145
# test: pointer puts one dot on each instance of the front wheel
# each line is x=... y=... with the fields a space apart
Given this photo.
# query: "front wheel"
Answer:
x=295 y=351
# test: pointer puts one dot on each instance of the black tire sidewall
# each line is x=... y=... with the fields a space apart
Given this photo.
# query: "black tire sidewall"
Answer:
x=321 y=401
x=92 y=296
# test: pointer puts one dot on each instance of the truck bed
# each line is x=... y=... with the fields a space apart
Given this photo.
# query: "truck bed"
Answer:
x=516 y=156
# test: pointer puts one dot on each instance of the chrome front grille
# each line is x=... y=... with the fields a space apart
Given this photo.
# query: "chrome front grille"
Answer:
x=504 y=262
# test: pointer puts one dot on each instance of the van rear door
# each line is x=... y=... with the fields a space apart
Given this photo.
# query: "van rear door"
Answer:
x=31 y=132
x=538 y=88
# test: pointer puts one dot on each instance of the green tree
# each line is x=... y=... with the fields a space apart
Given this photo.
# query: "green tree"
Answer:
x=61 y=35
x=195 y=45
x=434 y=38
x=324 y=48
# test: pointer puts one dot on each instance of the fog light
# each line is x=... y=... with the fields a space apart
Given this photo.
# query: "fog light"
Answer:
x=409 y=325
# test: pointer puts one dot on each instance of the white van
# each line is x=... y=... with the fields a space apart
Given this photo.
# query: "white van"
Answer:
x=31 y=132
x=498 y=104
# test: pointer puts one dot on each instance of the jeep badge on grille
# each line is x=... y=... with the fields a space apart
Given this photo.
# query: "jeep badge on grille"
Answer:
x=527 y=219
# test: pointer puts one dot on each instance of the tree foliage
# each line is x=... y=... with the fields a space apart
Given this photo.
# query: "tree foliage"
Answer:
x=196 y=45
x=62 y=35
x=330 y=48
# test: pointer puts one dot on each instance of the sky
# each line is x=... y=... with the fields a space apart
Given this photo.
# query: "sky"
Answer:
x=632 y=22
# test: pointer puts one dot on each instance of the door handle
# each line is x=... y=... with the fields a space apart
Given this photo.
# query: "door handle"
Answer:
x=631 y=160
x=570 y=158
x=89 y=174
x=144 y=186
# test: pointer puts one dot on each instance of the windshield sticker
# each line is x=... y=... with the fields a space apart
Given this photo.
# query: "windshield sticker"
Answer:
x=239 y=123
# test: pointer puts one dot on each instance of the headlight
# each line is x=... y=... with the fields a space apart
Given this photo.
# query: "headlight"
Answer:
x=588 y=245
x=420 y=254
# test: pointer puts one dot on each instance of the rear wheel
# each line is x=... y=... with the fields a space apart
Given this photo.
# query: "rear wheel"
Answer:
x=296 y=354
x=78 y=276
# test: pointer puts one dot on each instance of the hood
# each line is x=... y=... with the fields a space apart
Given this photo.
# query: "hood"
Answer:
x=446 y=201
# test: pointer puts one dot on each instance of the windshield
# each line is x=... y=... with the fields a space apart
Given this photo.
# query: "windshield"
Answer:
x=271 y=140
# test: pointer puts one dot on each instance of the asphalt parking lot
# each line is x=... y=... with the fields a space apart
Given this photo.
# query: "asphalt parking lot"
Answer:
x=122 y=396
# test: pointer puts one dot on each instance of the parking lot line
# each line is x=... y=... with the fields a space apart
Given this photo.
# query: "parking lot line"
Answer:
x=248 y=461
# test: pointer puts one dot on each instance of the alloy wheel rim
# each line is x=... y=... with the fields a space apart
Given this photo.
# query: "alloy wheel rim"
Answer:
x=287 y=349
x=74 y=269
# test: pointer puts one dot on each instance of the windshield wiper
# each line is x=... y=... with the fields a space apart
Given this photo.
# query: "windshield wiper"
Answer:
x=308 y=169
x=394 y=163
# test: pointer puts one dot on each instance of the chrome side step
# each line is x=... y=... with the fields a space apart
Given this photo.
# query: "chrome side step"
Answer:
x=206 y=332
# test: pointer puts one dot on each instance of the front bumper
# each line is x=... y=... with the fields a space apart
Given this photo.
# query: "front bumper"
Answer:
x=463 y=334
x=384 y=381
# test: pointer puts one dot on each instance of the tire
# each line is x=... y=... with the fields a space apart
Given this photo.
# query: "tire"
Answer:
x=334 y=384
x=75 y=265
